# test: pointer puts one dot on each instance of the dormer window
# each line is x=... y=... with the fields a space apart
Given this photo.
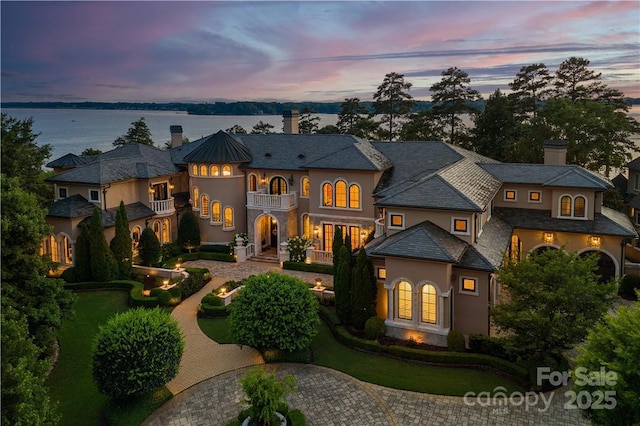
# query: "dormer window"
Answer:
x=535 y=197
x=573 y=206
x=510 y=195
x=459 y=226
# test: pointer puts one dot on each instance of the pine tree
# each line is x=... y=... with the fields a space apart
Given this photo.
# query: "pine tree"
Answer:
x=121 y=243
x=364 y=290
x=393 y=102
x=149 y=248
x=103 y=265
x=342 y=285
x=189 y=230
x=138 y=133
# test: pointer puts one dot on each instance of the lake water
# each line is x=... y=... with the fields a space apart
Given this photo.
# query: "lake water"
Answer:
x=74 y=130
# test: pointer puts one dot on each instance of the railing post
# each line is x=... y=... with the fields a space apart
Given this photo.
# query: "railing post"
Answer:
x=308 y=257
x=240 y=251
x=284 y=253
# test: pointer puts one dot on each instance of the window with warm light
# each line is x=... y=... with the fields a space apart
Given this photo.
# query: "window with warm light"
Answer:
x=565 y=206
x=135 y=238
x=579 y=207
x=354 y=196
x=573 y=207
x=253 y=183
x=228 y=217
x=341 y=194
x=354 y=234
x=306 y=226
x=203 y=170
x=226 y=170
x=429 y=299
x=215 y=212
x=156 y=230
x=404 y=300
x=196 y=198
x=468 y=285
x=194 y=169
x=396 y=221
x=165 y=231
x=535 y=196
x=304 y=186
x=460 y=226
x=382 y=273
x=327 y=195
x=214 y=171
x=204 y=202
x=510 y=195
x=515 y=248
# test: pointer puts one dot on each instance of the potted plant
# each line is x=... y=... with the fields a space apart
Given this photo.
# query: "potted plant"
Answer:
x=265 y=394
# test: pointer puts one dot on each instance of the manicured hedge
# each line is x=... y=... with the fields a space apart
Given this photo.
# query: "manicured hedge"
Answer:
x=296 y=418
x=308 y=267
x=434 y=357
x=215 y=248
x=211 y=311
x=628 y=287
x=135 y=291
x=221 y=257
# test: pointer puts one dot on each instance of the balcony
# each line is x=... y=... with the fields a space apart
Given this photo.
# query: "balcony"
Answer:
x=379 y=228
x=163 y=206
x=276 y=202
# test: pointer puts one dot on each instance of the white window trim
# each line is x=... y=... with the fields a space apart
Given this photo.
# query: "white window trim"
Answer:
x=233 y=219
x=421 y=301
x=533 y=201
x=90 y=198
x=222 y=171
x=461 y=289
x=573 y=205
x=200 y=203
x=378 y=269
x=515 y=193
x=301 y=187
x=453 y=229
x=390 y=226
x=249 y=182
x=58 y=192
x=215 y=222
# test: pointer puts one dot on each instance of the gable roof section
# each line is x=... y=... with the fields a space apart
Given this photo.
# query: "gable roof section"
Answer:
x=609 y=222
x=72 y=207
x=128 y=162
x=219 y=148
x=547 y=175
x=69 y=160
x=425 y=241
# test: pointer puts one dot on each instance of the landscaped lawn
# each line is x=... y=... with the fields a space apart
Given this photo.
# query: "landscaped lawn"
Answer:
x=383 y=370
x=71 y=380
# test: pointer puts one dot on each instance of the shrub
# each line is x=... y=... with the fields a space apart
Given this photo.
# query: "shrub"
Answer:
x=311 y=267
x=211 y=311
x=274 y=311
x=455 y=341
x=296 y=418
x=121 y=243
x=192 y=284
x=628 y=287
x=137 y=351
x=70 y=275
x=297 y=248
x=374 y=328
x=212 y=300
x=364 y=290
x=215 y=248
x=170 y=250
x=489 y=345
x=149 y=247
x=302 y=356
x=265 y=394
x=188 y=230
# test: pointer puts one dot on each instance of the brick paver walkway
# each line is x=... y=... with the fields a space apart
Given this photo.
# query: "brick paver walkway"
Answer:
x=207 y=391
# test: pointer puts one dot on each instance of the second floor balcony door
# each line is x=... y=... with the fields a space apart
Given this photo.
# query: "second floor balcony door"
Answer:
x=160 y=191
x=278 y=186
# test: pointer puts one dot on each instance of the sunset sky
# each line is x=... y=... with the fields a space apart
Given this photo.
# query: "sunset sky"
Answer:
x=299 y=51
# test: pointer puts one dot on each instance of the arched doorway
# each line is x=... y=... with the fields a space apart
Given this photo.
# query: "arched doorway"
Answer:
x=542 y=249
x=606 y=265
x=266 y=234
x=278 y=186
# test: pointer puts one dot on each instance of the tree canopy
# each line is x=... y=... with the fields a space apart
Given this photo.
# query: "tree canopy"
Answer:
x=138 y=133
x=262 y=128
x=308 y=123
x=393 y=103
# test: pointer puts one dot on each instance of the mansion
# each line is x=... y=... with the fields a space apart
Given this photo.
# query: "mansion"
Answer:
x=444 y=219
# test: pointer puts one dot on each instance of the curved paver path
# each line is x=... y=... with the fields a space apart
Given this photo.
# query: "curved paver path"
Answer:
x=207 y=391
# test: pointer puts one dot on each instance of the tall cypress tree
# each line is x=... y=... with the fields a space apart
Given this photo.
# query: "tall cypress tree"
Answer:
x=121 y=243
x=103 y=264
x=364 y=290
x=82 y=255
x=149 y=247
x=337 y=243
x=342 y=285
x=189 y=230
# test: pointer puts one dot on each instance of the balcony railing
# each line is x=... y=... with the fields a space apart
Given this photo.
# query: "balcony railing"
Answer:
x=379 y=228
x=280 y=202
x=163 y=206
x=324 y=257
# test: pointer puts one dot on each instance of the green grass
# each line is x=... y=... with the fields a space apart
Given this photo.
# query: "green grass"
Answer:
x=382 y=370
x=71 y=380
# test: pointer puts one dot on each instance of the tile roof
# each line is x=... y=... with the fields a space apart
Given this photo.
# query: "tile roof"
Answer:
x=547 y=175
x=69 y=160
x=488 y=251
x=128 y=162
x=219 y=148
x=609 y=222
x=72 y=207
x=134 y=211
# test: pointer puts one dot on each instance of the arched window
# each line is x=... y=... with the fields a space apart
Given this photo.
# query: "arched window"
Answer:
x=579 y=207
x=215 y=171
x=253 y=183
x=306 y=226
x=354 y=196
x=156 y=230
x=165 y=231
x=304 y=186
x=226 y=170
x=196 y=198
x=55 y=253
x=565 y=206
x=67 y=254
x=204 y=202
x=341 y=194
x=228 y=217
x=278 y=186
x=327 y=195
x=404 y=300
x=203 y=170
x=215 y=212
x=135 y=238
x=515 y=248
x=429 y=299
x=194 y=169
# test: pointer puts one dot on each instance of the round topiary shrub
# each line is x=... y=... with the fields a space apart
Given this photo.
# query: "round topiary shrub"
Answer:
x=274 y=311
x=374 y=327
x=212 y=300
x=136 y=352
x=455 y=341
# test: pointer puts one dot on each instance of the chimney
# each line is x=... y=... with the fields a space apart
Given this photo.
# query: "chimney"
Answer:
x=291 y=117
x=176 y=136
x=555 y=152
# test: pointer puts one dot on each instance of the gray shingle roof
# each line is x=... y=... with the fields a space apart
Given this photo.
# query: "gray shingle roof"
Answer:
x=219 y=148
x=128 y=162
x=491 y=245
x=547 y=175
x=69 y=160
x=72 y=207
x=609 y=222
x=134 y=211
x=633 y=164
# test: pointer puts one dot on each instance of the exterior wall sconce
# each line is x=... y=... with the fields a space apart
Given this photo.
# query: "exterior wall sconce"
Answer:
x=263 y=179
x=316 y=232
x=291 y=179
x=151 y=190
x=594 y=241
x=171 y=185
x=547 y=237
x=363 y=236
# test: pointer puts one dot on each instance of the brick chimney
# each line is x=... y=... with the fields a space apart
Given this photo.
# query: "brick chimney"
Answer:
x=176 y=136
x=291 y=117
x=555 y=152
